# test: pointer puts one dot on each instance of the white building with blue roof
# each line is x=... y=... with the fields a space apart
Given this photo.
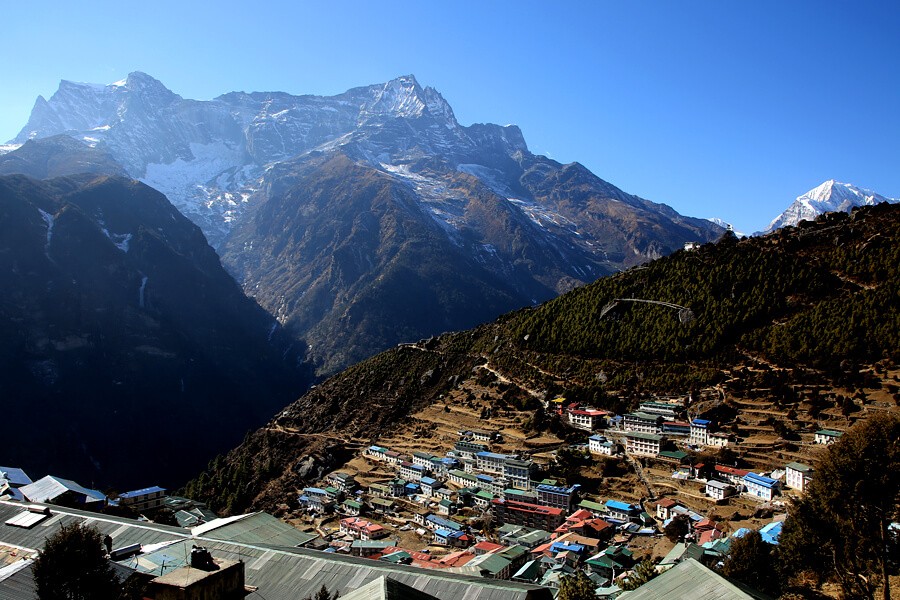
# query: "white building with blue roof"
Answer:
x=761 y=487
x=700 y=432
x=620 y=511
x=490 y=462
x=598 y=444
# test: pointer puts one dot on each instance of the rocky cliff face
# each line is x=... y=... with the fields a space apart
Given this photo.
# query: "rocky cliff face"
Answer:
x=373 y=216
x=126 y=348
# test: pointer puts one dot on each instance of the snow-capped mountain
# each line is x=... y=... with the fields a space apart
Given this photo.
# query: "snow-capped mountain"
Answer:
x=207 y=156
x=370 y=217
x=829 y=196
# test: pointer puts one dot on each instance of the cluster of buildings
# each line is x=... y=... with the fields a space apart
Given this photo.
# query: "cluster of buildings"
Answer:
x=252 y=555
x=493 y=513
x=721 y=481
x=539 y=530
x=17 y=486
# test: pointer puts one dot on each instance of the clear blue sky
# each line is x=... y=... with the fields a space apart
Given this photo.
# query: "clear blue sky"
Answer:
x=716 y=108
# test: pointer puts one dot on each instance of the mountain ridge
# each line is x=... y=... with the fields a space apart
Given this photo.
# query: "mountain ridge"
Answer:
x=515 y=227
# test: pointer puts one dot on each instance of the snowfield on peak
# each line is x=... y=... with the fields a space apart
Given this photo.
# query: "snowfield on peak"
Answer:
x=829 y=196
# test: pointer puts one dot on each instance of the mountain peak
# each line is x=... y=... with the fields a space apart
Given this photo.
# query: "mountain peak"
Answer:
x=140 y=82
x=404 y=97
x=828 y=196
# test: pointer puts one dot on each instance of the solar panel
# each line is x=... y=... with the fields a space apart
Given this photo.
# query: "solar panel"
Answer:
x=27 y=519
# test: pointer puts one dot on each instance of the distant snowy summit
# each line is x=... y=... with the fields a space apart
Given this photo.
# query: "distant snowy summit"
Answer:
x=829 y=196
x=725 y=225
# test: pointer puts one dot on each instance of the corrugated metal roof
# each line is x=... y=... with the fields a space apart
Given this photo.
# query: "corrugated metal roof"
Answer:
x=760 y=479
x=260 y=528
x=14 y=476
x=142 y=492
x=50 y=487
x=280 y=572
x=798 y=467
x=690 y=580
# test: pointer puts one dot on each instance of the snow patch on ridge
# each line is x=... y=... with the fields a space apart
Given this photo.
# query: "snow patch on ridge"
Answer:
x=212 y=189
x=447 y=209
x=49 y=220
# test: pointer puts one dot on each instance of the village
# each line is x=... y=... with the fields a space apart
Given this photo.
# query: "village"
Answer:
x=445 y=496
x=467 y=491
x=468 y=504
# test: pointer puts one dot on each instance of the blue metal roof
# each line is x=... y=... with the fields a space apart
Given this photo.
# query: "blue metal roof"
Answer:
x=491 y=455
x=49 y=488
x=761 y=480
x=15 y=494
x=142 y=492
x=429 y=481
x=557 y=489
x=564 y=547
x=443 y=523
x=14 y=476
x=771 y=532
x=616 y=505
x=312 y=490
x=701 y=422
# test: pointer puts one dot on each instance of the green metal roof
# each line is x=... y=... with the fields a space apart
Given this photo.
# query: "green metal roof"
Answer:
x=513 y=552
x=258 y=528
x=493 y=563
x=675 y=454
x=798 y=467
x=653 y=437
x=690 y=580
x=587 y=504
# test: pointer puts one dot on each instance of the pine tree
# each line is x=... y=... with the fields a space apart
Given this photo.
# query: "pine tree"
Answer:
x=643 y=572
x=576 y=587
x=839 y=529
x=73 y=566
x=750 y=562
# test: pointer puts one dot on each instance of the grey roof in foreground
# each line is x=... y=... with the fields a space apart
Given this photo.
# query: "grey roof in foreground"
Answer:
x=385 y=588
x=280 y=572
x=257 y=528
x=690 y=580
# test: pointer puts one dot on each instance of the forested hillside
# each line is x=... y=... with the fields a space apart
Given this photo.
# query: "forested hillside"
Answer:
x=811 y=304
